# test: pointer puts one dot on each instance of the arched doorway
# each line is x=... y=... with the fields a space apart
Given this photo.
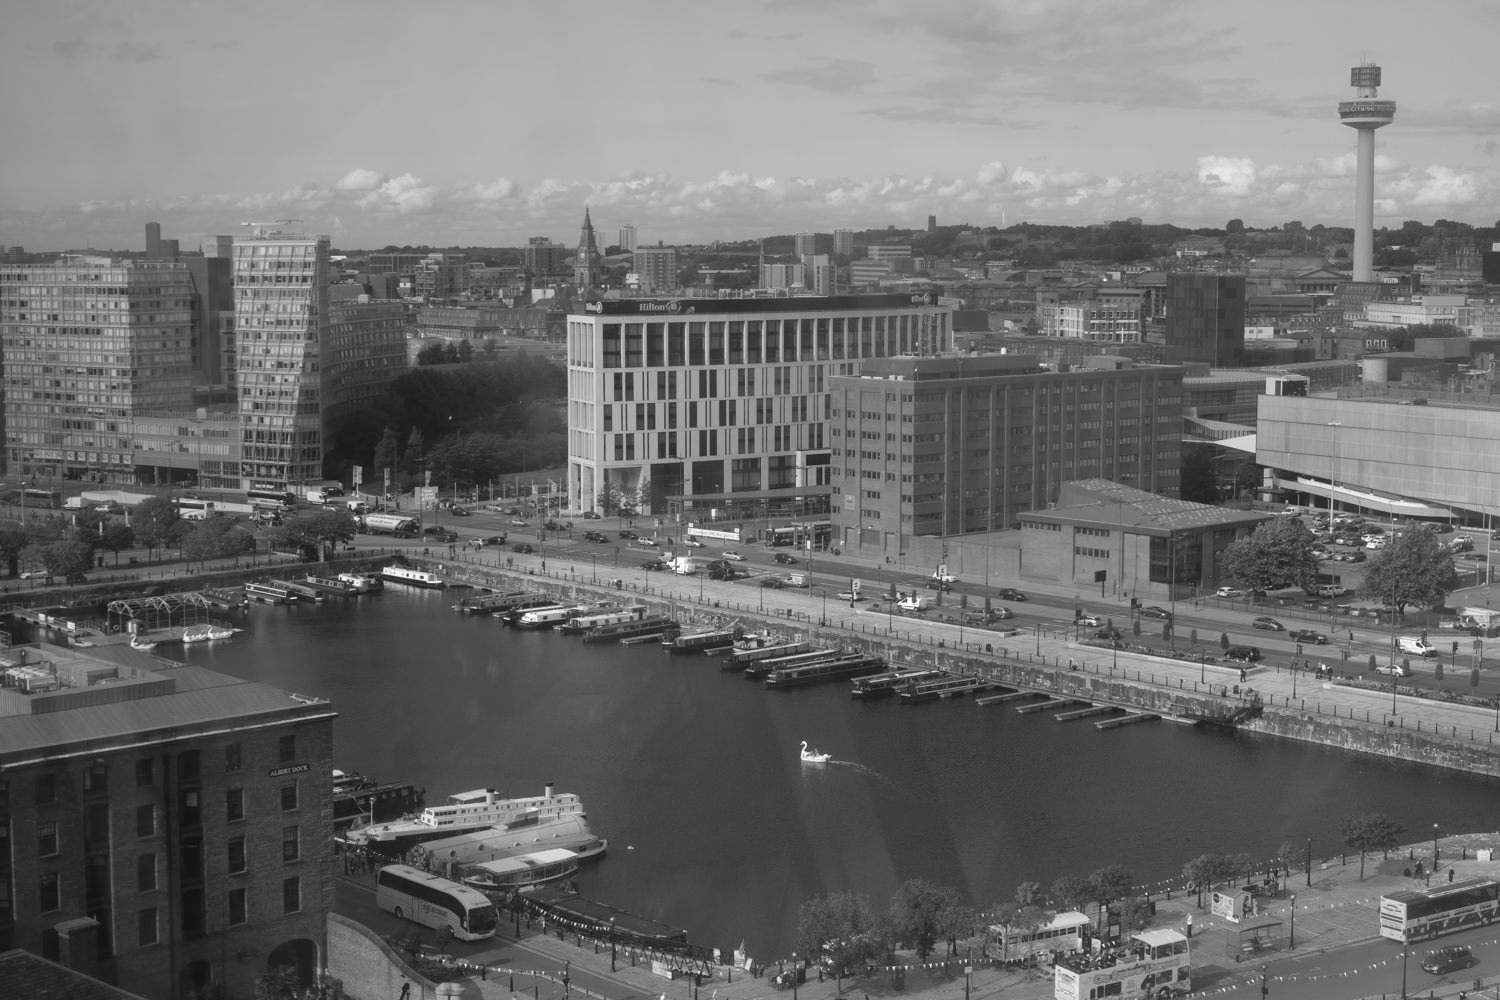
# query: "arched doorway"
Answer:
x=299 y=956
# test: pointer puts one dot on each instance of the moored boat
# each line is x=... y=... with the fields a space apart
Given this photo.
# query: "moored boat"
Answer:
x=601 y=616
x=513 y=614
x=883 y=685
x=519 y=873
x=447 y=855
x=414 y=577
x=629 y=630
x=547 y=617
x=465 y=812
x=136 y=642
x=699 y=640
x=268 y=592
x=206 y=632
x=363 y=583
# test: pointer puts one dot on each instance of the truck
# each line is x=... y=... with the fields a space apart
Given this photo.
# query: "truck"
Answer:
x=797 y=580
x=914 y=602
x=1480 y=621
x=389 y=524
x=682 y=565
x=323 y=494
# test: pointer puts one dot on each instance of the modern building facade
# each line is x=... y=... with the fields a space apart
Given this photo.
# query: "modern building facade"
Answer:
x=1206 y=317
x=627 y=238
x=781 y=277
x=698 y=402
x=87 y=342
x=168 y=829
x=543 y=258
x=843 y=242
x=281 y=324
x=944 y=446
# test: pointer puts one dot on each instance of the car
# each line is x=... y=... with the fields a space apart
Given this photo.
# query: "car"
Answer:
x=1088 y=621
x=945 y=577
x=1441 y=528
x=445 y=536
x=935 y=584
x=786 y=559
x=693 y=543
x=434 y=529
x=518 y=522
x=1155 y=612
x=652 y=564
x=522 y=548
x=1394 y=669
x=648 y=541
x=848 y=595
x=1463 y=539
x=734 y=557
x=772 y=581
x=595 y=536
x=110 y=507
x=1229 y=592
x=555 y=526
x=496 y=508
x=1268 y=625
x=1378 y=543
x=1244 y=654
x=1307 y=635
x=592 y=515
x=1010 y=594
x=1001 y=614
x=976 y=618
x=1355 y=557
x=459 y=512
x=628 y=534
x=1110 y=634
x=1446 y=960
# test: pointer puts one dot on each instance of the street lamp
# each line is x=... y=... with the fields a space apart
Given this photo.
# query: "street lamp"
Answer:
x=1309 y=862
x=611 y=944
x=1292 y=939
x=1434 y=846
x=1405 y=950
x=795 y=977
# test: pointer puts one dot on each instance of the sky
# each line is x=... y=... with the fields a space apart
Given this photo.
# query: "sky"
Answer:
x=450 y=122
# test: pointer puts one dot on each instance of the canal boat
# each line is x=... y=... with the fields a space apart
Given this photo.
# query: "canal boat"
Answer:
x=698 y=641
x=522 y=872
x=642 y=627
x=330 y=584
x=487 y=604
x=841 y=666
x=547 y=617
x=360 y=799
x=413 y=577
x=886 y=684
x=760 y=669
x=513 y=614
x=742 y=656
x=464 y=812
x=362 y=583
x=446 y=855
x=268 y=592
x=579 y=624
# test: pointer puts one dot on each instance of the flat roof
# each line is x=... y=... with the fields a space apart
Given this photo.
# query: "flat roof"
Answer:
x=1105 y=503
x=705 y=306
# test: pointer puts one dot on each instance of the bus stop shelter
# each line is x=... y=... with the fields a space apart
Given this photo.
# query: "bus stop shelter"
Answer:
x=1254 y=936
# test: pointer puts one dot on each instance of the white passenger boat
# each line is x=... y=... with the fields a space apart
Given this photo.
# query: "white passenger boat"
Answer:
x=521 y=872
x=415 y=577
x=363 y=583
x=467 y=812
x=447 y=856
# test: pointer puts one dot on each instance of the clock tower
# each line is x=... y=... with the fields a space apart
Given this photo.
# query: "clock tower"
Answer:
x=586 y=264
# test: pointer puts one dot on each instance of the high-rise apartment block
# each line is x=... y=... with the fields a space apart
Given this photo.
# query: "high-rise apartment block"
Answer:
x=778 y=277
x=439 y=276
x=804 y=244
x=706 y=404
x=627 y=238
x=281 y=321
x=88 y=341
x=544 y=259
x=843 y=242
x=818 y=273
x=166 y=829
x=943 y=446
x=1206 y=317
x=656 y=269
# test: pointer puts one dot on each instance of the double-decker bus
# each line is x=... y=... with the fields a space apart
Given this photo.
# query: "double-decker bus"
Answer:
x=1062 y=935
x=424 y=898
x=1442 y=909
x=1151 y=964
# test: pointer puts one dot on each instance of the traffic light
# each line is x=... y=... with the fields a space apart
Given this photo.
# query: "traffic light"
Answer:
x=1455 y=647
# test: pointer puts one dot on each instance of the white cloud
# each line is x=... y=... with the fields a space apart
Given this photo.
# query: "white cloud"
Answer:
x=360 y=179
x=1231 y=175
x=1446 y=186
x=404 y=194
x=499 y=189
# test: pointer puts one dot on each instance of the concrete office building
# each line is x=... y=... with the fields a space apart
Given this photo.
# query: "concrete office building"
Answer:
x=167 y=829
x=843 y=242
x=281 y=326
x=656 y=269
x=88 y=342
x=627 y=238
x=948 y=445
x=778 y=277
x=818 y=273
x=543 y=258
x=1206 y=317
x=702 y=405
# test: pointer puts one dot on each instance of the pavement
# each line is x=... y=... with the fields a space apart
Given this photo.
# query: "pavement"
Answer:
x=1335 y=909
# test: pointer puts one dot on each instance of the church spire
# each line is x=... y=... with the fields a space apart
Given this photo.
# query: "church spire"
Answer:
x=586 y=263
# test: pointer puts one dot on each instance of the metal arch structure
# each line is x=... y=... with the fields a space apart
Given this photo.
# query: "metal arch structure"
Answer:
x=153 y=613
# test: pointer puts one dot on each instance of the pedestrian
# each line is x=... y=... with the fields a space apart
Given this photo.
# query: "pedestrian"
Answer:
x=1450 y=874
x=405 y=991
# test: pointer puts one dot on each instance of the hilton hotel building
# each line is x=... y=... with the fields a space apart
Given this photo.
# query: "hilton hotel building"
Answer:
x=717 y=401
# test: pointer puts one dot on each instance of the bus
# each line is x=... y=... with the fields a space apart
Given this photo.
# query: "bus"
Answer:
x=424 y=898
x=267 y=496
x=1062 y=935
x=1151 y=964
x=33 y=496
x=1442 y=909
x=193 y=509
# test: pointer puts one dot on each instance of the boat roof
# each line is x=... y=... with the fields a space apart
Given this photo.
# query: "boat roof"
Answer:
x=522 y=862
x=470 y=798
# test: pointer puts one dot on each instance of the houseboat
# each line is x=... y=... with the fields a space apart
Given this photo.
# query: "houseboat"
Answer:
x=448 y=855
x=601 y=616
x=513 y=614
x=362 y=583
x=414 y=577
x=698 y=641
x=887 y=684
x=640 y=628
x=547 y=617
x=846 y=665
x=268 y=592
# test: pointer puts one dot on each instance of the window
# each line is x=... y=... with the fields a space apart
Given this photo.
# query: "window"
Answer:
x=46 y=789
x=146 y=926
x=145 y=772
x=289 y=796
x=95 y=780
x=288 y=749
x=46 y=838
x=145 y=872
x=291 y=843
x=234 y=804
x=291 y=894
x=188 y=768
x=237 y=861
x=232 y=758
x=50 y=896
x=238 y=907
x=145 y=820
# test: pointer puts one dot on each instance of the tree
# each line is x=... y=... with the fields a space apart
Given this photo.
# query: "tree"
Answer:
x=318 y=531
x=1375 y=832
x=387 y=453
x=610 y=498
x=13 y=542
x=157 y=523
x=1224 y=640
x=841 y=926
x=1069 y=892
x=1474 y=680
x=1413 y=569
x=919 y=913
x=67 y=559
x=217 y=537
x=434 y=353
x=1292 y=856
x=1199 y=873
x=1135 y=915
x=1023 y=915
x=1437 y=671
x=1277 y=554
x=1108 y=884
x=118 y=536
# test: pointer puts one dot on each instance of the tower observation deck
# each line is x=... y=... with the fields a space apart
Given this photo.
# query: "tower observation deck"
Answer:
x=1365 y=114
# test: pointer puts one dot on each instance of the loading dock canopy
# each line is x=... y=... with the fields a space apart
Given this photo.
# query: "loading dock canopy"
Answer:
x=1364 y=499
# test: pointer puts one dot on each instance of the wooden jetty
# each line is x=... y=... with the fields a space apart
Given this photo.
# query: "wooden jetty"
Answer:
x=303 y=591
x=1124 y=720
x=1004 y=696
x=1043 y=706
x=1083 y=713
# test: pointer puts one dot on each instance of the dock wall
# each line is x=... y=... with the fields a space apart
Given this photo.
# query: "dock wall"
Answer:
x=1011 y=663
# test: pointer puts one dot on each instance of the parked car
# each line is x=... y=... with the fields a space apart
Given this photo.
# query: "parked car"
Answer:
x=555 y=526
x=1446 y=960
x=1001 y=614
x=518 y=522
x=652 y=564
x=848 y=595
x=522 y=548
x=1229 y=592
x=1243 y=654
x=945 y=577
x=648 y=541
x=734 y=557
x=1155 y=612
x=772 y=581
x=693 y=543
x=496 y=508
x=592 y=515
x=1109 y=633
x=1010 y=594
x=1307 y=635
x=786 y=559
x=1088 y=621
x=1268 y=625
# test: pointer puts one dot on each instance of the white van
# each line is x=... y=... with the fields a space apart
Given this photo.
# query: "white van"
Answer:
x=1415 y=645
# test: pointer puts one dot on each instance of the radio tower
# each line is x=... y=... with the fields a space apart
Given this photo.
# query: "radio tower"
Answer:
x=1365 y=115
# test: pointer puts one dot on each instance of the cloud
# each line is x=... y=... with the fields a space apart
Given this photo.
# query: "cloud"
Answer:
x=499 y=189
x=71 y=48
x=1445 y=186
x=1231 y=175
x=404 y=194
x=834 y=76
x=136 y=52
x=359 y=179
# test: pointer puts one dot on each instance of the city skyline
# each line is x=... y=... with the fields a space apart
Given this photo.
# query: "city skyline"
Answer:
x=709 y=121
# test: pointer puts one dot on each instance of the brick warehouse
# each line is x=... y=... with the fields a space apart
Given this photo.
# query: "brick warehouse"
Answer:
x=163 y=827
